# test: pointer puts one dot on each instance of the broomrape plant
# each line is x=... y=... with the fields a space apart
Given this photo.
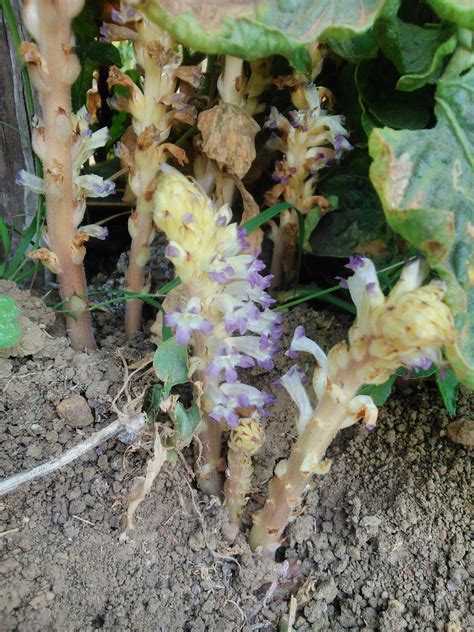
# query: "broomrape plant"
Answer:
x=64 y=143
x=223 y=312
x=409 y=327
x=153 y=109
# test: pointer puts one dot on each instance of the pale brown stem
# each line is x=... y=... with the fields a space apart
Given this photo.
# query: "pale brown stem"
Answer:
x=236 y=488
x=286 y=490
x=276 y=268
x=148 y=164
x=209 y=462
x=229 y=91
x=135 y=278
x=59 y=187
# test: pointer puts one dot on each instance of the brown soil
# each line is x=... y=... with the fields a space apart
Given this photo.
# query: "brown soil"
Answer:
x=381 y=545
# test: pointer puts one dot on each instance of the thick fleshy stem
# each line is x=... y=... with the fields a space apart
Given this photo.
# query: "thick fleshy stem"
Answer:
x=142 y=232
x=135 y=276
x=292 y=478
x=209 y=462
x=151 y=121
x=229 y=91
x=50 y=23
x=409 y=327
x=244 y=442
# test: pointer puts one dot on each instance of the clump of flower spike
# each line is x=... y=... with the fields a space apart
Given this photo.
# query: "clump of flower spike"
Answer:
x=409 y=327
x=224 y=312
x=64 y=142
x=310 y=141
x=153 y=109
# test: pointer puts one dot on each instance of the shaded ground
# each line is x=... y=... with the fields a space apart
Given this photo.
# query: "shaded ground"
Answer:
x=381 y=545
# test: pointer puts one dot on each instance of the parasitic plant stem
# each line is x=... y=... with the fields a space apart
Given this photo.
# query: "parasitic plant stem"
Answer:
x=53 y=69
x=408 y=328
x=152 y=115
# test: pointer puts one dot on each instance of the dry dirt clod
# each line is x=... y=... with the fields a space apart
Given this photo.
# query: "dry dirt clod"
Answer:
x=75 y=411
x=462 y=432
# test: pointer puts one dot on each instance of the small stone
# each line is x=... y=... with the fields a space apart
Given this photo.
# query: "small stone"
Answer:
x=196 y=541
x=69 y=531
x=326 y=591
x=51 y=436
x=371 y=524
x=75 y=411
x=462 y=432
x=34 y=451
x=103 y=462
x=353 y=552
x=42 y=600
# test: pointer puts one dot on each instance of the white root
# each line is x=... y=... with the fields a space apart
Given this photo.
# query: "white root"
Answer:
x=122 y=424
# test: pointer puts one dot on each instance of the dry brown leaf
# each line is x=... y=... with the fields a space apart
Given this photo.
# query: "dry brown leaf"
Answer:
x=93 y=99
x=142 y=484
x=186 y=115
x=190 y=74
x=251 y=210
x=228 y=134
x=47 y=257
x=174 y=150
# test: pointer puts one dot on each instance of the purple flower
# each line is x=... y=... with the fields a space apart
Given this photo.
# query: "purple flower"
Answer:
x=242 y=237
x=171 y=251
x=342 y=282
x=105 y=32
x=188 y=218
x=355 y=263
x=187 y=321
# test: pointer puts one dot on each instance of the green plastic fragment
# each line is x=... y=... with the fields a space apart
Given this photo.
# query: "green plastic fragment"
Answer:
x=10 y=331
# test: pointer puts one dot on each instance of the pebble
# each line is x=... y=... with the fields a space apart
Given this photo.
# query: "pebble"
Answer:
x=75 y=411
x=462 y=432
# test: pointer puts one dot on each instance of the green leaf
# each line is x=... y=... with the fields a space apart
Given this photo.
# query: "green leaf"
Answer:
x=449 y=390
x=186 y=420
x=265 y=216
x=91 y=55
x=171 y=364
x=266 y=27
x=357 y=48
x=379 y=392
x=459 y=11
x=418 y=53
x=5 y=238
x=357 y=225
x=156 y=398
x=120 y=121
x=376 y=81
x=10 y=332
x=425 y=180
x=432 y=70
x=311 y=220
